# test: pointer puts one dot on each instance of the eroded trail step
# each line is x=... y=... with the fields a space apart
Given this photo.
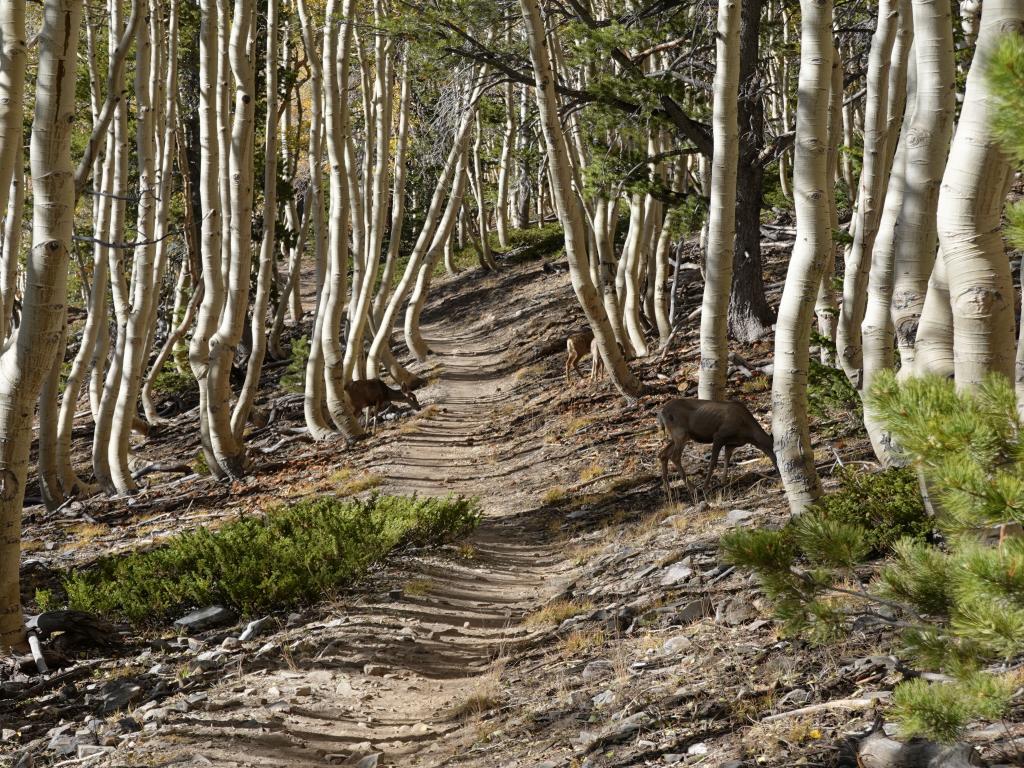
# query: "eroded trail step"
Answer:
x=392 y=671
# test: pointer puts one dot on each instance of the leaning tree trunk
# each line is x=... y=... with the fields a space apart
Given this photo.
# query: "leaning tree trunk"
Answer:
x=825 y=307
x=810 y=254
x=24 y=363
x=568 y=206
x=931 y=124
x=971 y=202
x=254 y=366
x=872 y=191
x=714 y=316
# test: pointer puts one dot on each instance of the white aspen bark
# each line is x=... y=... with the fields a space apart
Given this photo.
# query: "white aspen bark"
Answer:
x=413 y=338
x=25 y=362
x=211 y=230
x=111 y=377
x=397 y=196
x=337 y=49
x=810 y=254
x=166 y=101
x=377 y=204
x=631 y=259
x=501 y=206
x=878 y=330
x=13 y=57
x=871 y=196
x=568 y=207
x=143 y=264
x=254 y=366
x=477 y=181
x=826 y=308
x=228 y=451
x=933 y=348
x=224 y=134
x=970 y=207
x=931 y=125
x=11 y=246
x=714 y=316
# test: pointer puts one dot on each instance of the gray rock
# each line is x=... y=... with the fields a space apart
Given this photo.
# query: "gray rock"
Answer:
x=735 y=612
x=7 y=734
x=604 y=699
x=596 y=670
x=214 y=616
x=375 y=670
x=700 y=748
x=211 y=660
x=676 y=574
x=370 y=761
x=156 y=715
x=672 y=758
x=117 y=695
x=229 y=643
x=625 y=728
x=694 y=611
x=63 y=744
x=676 y=644
x=738 y=516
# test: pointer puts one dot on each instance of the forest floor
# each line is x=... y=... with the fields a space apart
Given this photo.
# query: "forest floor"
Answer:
x=584 y=623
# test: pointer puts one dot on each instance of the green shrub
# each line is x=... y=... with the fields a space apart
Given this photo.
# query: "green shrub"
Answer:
x=887 y=505
x=172 y=382
x=294 y=377
x=829 y=391
x=294 y=554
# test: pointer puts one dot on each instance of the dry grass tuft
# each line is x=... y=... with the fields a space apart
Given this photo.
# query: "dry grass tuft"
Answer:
x=581 y=641
x=348 y=483
x=557 y=612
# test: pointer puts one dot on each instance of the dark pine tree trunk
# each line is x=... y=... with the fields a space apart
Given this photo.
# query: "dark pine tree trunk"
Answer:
x=750 y=317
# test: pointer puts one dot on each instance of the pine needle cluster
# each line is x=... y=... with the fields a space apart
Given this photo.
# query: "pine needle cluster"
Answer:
x=1006 y=78
x=954 y=593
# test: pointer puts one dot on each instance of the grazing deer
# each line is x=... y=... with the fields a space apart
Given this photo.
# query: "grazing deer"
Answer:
x=726 y=425
x=578 y=346
x=375 y=394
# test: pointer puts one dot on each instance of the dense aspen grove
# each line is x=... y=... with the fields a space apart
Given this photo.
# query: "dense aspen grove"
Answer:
x=174 y=174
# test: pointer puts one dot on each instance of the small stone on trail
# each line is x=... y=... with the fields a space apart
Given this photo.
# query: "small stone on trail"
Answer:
x=700 y=748
x=374 y=670
x=370 y=761
x=214 y=616
x=738 y=516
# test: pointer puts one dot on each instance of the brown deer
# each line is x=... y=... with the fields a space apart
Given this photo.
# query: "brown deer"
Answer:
x=724 y=424
x=375 y=395
x=578 y=346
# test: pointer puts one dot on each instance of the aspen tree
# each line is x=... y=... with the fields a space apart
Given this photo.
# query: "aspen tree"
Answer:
x=825 y=308
x=567 y=204
x=970 y=206
x=25 y=362
x=211 y=232
x=714 y=318
x=254 y=366
x=810 y=254
x=501 y=206
x=871 y=194
x=931 y=125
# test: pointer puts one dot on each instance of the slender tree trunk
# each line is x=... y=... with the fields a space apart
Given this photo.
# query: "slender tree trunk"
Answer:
x=871 y=197
x=714 y=317
x=931 y=125
x=254 y=366
x=568 y=205
x=810 y=254
x=970 y=206
x=825 y=307
x=25 y=363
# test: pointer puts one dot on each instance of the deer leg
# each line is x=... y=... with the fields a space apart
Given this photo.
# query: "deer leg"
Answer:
x=677 y=459
x=663 y=455
x=728 y=457
x=716 y=448
x=568 y=363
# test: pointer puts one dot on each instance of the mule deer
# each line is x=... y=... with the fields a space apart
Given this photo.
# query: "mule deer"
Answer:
x=724 y=424
x=578 y=346
x=375 y=394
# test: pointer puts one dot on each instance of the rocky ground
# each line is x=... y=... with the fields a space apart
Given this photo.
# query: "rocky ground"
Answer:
x=585 y=623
